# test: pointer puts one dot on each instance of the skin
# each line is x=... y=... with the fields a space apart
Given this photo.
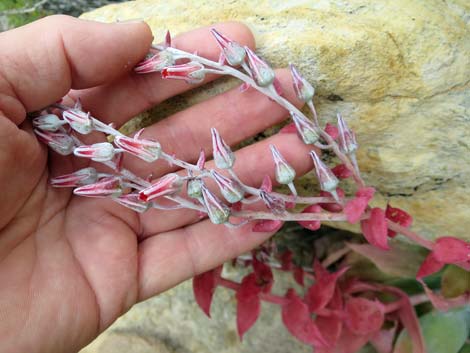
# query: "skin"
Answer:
x=70 y=266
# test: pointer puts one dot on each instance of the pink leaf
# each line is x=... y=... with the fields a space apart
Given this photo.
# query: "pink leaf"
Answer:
x=286 y=260
x=263 y=273
x=204 y=286
x=375 y=229
x=298 y=274
x=429 y=266
x=288 y=129
x=355 y=208
x=332 y=131
x=248 y=304
x=320 y=294
x=383 y=340
x=348 y=343
x=445 y=304
x=450 y=250
x=330 y=328
x=267 y=225
x=311 y=225
x=341 y=171
x=399 y=216
x=364 y=316
x=367 y=192
x=296 y=317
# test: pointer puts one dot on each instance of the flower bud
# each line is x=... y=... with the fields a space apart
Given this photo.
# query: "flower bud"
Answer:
x=98 y=152
x=276 y=205
x=48 y=122
x=83 y=176
x=194 y=188
x=347 y=138
x=303 y=89
x=230 y=189
x=218 y=212
x=78 y=120
x=326 y=178
x=155 y=63
x=260 y=70
x=145 y=149
x=167 y=185
x=305 y=128
x=192 y=72
x=285 y=174
x=133 y=202
x=223 y=155
x=109 y=186
x=233 y=52
x=57 y=141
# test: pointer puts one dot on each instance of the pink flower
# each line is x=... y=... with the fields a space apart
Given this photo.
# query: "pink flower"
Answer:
x=326 y=178
x=233 y=52
x=98 y=152
x=347 y=139
x=230 y=189
x=48 y=122
x=285 y=174
x=80 y=177
x=145 y=149
x=167 y=185
x=223 y=155
x=78 y=120
x=155 y=63
x=260 y=70
x=192 y=72
x=217 y=211
x=58 y=141
x=133 y=202
x=274 y=204
x=303 y=89
x=305 y=128
x=109 y=186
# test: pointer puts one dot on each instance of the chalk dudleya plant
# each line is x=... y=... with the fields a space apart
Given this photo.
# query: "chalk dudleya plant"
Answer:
x=334 y=315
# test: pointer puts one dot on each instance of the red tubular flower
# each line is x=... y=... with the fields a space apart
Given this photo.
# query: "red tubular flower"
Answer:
x=217 y=211
x=223 y=155
x=59 y=142
x=80 y=177
x=192 y=72
x=303 y=89
x=78 y=120
x=147 y=150
x=155 y=63
x=285 y=174
x=305 y=128
x=98 y=152
x=347 y=139
x=48 y=122
x=260 y=70
x=326 y=178
x=233 y=52
x=167 y=185
x=109 y=186
x=230 y=189
x=133 y=202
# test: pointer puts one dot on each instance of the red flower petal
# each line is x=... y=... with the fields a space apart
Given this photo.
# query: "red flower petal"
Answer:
x=296 y=317
x=204 y=286
x=312 y=225
x=322 y=291
x=429 y=266
x=332 y=131
x=364 y=316
x=399 y=216
x=375 y=229
x=451 y=250
x=341 y=171
x=248 y=304
x=267 y=225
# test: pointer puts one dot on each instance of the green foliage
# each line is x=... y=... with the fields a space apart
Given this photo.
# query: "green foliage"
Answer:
x=20 y=19
x=455 y=282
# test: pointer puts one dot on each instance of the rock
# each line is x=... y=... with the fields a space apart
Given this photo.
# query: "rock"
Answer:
x=398 y=71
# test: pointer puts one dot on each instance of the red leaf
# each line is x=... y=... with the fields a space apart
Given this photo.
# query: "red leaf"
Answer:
x=296 y=317
x=348 y=343
x=204 y=286
x=355 y=208
x=383 y=340
x=341 y=171
x=248 y=304
x=311 y=225
x=332 y=131
x=367 y=192
x=286 y=260
x=332 y=207
x=322 y=291
x=429 y=266
x=450 y=250
x=288 y=129
x=399 y=216
x=263 y=273
x=364 y=316
x=267 y=225
x=375 y=229
x=330 y=327
x=299 y=275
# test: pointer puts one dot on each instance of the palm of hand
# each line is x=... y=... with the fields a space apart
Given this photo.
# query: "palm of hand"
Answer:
x=70 y=266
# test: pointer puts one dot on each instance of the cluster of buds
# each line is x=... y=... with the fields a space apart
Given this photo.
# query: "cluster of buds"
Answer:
x=220 y=194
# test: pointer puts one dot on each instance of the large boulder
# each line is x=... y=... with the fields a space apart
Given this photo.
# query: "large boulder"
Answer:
x=397 y=70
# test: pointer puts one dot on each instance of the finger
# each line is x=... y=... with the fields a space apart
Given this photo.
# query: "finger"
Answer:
x=42 y=61
x=253 y=163
x=170 y=258
x=134 y=93
x=236 y=115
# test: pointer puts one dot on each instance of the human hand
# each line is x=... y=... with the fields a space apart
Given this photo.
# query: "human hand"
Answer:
x=69 y=266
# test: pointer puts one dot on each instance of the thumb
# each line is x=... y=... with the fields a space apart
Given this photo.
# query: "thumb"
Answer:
x=42 y=61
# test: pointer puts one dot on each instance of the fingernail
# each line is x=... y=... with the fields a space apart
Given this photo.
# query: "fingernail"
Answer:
x=130 y=20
